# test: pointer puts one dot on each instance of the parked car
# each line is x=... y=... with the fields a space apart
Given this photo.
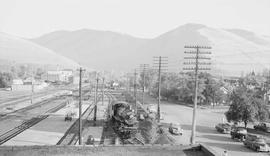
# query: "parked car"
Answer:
x=263 y=127
x=176 y=129
x=223 y=128
x=256 y=142
x=68 y=117
x=239 y=133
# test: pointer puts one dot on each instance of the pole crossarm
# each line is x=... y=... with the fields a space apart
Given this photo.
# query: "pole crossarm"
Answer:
x=196 y=68
x=199 y=47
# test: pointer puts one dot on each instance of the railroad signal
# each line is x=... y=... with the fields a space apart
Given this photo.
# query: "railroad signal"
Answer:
x=197 y=57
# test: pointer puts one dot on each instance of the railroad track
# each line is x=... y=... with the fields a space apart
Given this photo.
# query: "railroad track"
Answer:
x=19 y=129
x=71 y=135
x=110 y=137
x=38 y=104
x=30 y=107
x=27 y=124
x=136 y=138
x=24 y=98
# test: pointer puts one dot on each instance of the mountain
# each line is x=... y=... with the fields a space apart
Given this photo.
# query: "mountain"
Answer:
x=95 y=49
x=234 y=51
x=21 y=51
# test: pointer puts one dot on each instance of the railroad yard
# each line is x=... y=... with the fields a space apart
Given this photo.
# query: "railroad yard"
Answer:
x=43 y=122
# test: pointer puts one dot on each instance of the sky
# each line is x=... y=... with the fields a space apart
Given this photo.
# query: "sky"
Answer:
x=140 y=18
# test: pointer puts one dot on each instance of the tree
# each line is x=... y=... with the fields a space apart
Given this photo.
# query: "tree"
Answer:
x=5 y=79
x=212 y=91
x=169 y=86
x=22 y=71
x=39 y=73
x=246 y=106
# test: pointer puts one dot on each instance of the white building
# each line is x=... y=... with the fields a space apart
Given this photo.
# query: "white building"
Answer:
x=63 y=75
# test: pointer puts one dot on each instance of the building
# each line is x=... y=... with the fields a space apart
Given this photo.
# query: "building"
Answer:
x=26 y=85
x=62 y=76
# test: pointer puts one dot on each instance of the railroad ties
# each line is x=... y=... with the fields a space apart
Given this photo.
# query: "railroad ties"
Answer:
x=19 y=129
x=27 y=124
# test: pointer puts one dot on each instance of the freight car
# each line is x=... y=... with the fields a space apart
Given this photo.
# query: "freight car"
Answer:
x=123 y=119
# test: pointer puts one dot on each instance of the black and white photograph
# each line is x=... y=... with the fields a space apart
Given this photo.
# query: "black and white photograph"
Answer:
x=134 y=77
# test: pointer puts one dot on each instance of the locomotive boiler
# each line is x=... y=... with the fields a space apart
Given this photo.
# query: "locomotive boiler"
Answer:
x=123 y=119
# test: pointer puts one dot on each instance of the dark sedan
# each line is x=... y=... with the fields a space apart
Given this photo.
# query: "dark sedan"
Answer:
x=223 y=128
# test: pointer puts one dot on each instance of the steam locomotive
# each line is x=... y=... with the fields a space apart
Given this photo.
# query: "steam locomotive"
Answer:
x=123 y=118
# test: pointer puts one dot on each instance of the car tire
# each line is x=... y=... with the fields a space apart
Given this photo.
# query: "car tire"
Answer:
x=242 y=138
x=257 y=149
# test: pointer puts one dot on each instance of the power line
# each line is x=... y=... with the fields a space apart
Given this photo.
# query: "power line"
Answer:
x=197 y=57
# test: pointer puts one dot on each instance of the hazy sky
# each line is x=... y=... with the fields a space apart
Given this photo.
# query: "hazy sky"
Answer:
x=141 y=18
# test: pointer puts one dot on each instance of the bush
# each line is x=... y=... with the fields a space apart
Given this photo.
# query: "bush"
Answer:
x=5 y=80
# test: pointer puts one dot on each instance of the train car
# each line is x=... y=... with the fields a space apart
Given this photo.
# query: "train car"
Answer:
x=123 y=118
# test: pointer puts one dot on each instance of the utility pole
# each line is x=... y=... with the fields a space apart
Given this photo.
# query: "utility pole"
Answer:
x=196 y=69
x=161 y=61
x=103 y=81
x=127 y=88
x=135 y=90
x=96 y=94
x=128 y=82
x=143 y=67
x=80 y=106
x=32 y=87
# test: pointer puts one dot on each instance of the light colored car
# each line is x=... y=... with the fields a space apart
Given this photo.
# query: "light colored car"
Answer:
x=256 y=142
x=263 y=127
x=176 y=129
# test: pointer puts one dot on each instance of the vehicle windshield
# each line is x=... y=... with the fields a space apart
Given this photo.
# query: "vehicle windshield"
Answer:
x=267 y=124
x=227 y=125
x=260 y=140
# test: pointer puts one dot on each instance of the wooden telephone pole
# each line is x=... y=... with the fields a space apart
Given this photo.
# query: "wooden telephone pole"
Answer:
x=96 y=94
x=196 y=69
x=103 y=87
x=80 y=106
x=161 y=61
x=135 y=90
x=144 y=68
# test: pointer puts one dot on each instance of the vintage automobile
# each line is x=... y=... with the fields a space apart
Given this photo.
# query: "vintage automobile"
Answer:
x=223 y=128
x=175 y=129
x=239 y=133
x=256 y=142
x=263 y=126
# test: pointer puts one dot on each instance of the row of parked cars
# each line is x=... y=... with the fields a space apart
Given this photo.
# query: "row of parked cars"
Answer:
x=253 y=141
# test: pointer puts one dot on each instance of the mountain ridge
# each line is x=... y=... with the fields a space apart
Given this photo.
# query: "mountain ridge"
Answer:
x=19 y=50
x=113 y=51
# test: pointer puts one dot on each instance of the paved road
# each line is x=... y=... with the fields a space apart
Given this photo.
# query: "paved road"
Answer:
x=206 y=133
